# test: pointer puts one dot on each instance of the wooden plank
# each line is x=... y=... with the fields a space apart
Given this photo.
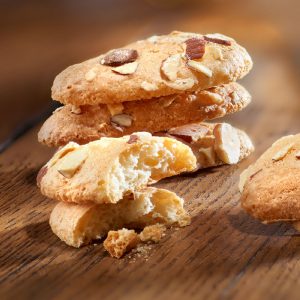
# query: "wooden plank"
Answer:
x=224 y=253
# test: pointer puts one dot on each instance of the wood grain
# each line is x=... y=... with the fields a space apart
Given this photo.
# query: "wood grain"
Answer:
x=224 y=253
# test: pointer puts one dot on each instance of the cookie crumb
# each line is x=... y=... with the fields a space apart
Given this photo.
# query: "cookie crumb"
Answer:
x=153 y=233
x=121 y=241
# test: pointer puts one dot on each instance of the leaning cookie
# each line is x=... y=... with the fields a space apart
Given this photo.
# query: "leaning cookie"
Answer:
x=213 y=144
x=270 y=187
x=104 y=171
x=78 y=225
x=87 y=123
x=155 y=67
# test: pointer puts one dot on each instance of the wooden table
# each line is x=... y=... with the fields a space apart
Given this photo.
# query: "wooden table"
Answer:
x=224 y=253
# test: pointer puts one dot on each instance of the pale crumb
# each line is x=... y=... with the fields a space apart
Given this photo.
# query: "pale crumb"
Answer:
x=91 y=74
x=153 y=233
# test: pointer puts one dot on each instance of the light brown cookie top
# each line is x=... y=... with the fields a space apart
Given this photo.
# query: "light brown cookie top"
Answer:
x=154 y=67
x=270 y=187
x=88 y=123
x=104 y=171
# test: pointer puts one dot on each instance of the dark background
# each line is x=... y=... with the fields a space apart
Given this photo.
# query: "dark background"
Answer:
x=41 y=38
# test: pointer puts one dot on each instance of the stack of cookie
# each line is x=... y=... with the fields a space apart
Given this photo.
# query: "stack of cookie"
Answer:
x=164 y=85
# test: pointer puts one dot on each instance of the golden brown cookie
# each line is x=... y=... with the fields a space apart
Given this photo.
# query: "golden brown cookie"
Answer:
x=89 y=123
x=104 y=171
x=270 y=187
x=78 y=225
x=155 y=67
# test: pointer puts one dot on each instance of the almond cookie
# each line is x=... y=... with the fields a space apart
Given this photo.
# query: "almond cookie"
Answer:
x=270 y=187
x=87 y=123
x=78 y=225
x=213 y=144
x=104 y=171
x=155 y=67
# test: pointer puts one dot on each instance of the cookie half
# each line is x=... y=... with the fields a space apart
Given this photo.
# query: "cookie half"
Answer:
x=104 y=171
x=270 y=187
x=155 y=67
x=78 y=225
x=88 y=123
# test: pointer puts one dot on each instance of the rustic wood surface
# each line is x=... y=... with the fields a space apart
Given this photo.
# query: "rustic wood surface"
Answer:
x=224 y=253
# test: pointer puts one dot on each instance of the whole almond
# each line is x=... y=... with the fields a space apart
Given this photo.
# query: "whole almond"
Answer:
x=119 y=57
x=195 y=48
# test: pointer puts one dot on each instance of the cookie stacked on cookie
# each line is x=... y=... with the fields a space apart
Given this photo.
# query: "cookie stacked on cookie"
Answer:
x=165 y=85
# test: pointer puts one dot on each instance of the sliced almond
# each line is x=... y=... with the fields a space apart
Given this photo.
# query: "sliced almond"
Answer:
x=197 y=66
x=282 y=152
x=182 y=84
x=91 y=74
x=227 y=143
x=170 y=66
x=76 y=110
x=126 y=69
x=71 y=162
x=190 y=133
x=209 y=154
x=71 y=146
x=148 y=86
x=115 y=109
x=212 y=98
x=215 y=39
x=122 y=120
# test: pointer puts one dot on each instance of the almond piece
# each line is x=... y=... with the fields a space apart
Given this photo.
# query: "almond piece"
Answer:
x=126 y=69
x=182 y=84
x=282 y=152
x=217 y=40
x=76 y=110
x=119 y=57
x=122 y=120
x=61 y=152
x=170 y=66
x=91 y=74
x=298 y=155
x=195 y=48
x=214 y=52
x=209 y=155
x=227 y=143
x=115 y=109
x=197 y=66
x=71 y=162
x=148 y=86
x=189 y=133
x=212 y=98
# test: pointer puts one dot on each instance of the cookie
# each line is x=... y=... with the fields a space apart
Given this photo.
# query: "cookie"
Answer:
x=154 y=67
x=270 y=187
x=87 y=123
x=79 y=225
x=104 y=171
x=214 y=144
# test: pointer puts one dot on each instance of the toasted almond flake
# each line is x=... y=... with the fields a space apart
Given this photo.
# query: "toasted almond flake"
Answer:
x=213 y=98
x=148 y=86
x=197 y=66
x=122 y=120
x=71 y=162
x=170 y=66
x=91 y=74
x=227 y=143
x=209 y=154
x=71 y=146
x=282 y=152
x=75 y=110
x=115 y=109
x=182 y=84
x=126 y=69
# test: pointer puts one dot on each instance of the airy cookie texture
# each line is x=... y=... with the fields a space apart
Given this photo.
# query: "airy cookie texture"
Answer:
x=270 y=187
x=119 y=242
x=104 y=171
x=86 y=123
x=157 y=66
x=213 y=144
x=79 y=225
